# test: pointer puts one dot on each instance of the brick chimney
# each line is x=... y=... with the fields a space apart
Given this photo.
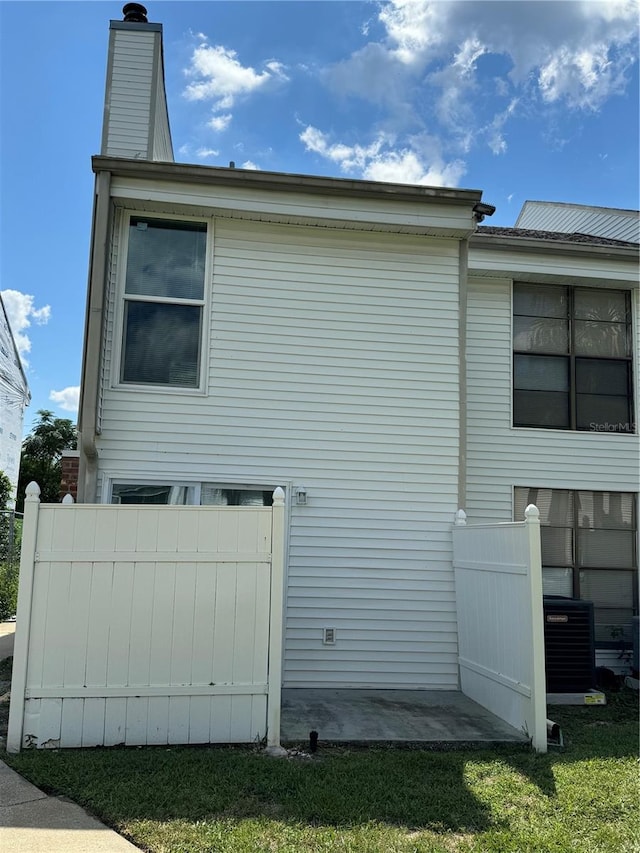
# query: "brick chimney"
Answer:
x=69 y=479
x=136 y=121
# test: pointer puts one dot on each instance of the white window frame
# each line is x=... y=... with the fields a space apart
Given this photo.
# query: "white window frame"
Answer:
x=121 y=297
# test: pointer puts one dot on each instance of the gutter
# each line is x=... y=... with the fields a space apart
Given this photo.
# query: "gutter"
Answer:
x=92 y=349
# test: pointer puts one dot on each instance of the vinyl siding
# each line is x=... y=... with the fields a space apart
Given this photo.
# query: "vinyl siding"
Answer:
x=602 y=221
x=162 y=148
x=333 y=363
x=128 y=98
x=501 y=457
x=439 y=218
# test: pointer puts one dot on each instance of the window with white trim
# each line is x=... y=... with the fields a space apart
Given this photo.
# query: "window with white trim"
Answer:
x=572 y=358
x=203 y=494
x=163 y=302
x=589 y=551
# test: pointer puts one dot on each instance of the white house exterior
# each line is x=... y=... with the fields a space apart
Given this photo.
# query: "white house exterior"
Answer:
x=597 y=462
x=349 y=341
x=14 y=398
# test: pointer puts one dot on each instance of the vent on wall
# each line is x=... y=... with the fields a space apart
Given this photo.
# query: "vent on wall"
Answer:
x=569 y=646
x=329 y=636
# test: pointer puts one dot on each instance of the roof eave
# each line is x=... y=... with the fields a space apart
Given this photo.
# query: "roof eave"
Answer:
x=534 y=246
x=282 y=181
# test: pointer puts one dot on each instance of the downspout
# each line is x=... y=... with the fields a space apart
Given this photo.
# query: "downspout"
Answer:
x=94 y=324
x=463 y=274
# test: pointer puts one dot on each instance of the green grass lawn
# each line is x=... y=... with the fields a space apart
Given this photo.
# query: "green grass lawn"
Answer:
x=182 y=800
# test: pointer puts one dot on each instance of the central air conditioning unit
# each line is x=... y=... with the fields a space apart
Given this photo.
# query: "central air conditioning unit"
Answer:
x=569 y=645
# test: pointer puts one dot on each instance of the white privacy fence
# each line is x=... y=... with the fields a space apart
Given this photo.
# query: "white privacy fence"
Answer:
x=498 y=575
x=148 y=625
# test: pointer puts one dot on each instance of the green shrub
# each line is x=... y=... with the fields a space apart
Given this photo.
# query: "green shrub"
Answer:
x=8 y=589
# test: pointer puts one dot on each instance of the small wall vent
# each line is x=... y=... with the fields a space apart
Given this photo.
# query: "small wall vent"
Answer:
x=329 y=636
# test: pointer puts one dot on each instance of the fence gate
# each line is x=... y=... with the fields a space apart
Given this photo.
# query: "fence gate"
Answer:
x=147 y=625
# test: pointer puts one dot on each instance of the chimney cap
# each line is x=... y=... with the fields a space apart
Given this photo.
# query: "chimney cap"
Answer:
x=135 y=13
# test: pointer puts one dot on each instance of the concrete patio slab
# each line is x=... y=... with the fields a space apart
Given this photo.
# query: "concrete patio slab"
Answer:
x=416 y=716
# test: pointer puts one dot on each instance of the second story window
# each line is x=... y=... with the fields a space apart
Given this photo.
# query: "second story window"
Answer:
x=163 y=302
x=572 y=358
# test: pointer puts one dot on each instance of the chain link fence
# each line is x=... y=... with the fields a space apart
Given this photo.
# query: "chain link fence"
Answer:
x=10 y=539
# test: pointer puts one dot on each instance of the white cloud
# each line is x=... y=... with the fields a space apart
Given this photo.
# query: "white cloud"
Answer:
x=420 y=162
x=426 y=68
x=220 y=123
x=203 y=153
x=68 y=399
x=249 y=164
x=219 y=76
x=21 y=311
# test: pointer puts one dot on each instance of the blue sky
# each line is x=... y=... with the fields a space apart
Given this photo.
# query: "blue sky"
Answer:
x=524 y=100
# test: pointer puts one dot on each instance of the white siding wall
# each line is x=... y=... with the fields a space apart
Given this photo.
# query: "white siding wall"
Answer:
x=128 y=105
x=162 y=148
x=333 y=363
x=501 y=457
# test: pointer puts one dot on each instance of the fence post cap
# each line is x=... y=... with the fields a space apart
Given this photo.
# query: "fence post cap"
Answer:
x=532 y=513
x=32 y=491
x=68 y=498
x=278 y=496
x=461 y=517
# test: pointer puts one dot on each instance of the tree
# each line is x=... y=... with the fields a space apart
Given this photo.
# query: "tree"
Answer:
x=41 y=455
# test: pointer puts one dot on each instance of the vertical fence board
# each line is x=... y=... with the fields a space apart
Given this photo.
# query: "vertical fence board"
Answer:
x=167 y=533
x=78 y=624
x=203 y=626
x=223 y=637
x=93 y=722
x=259 y=715
x=106 y=529
x=182 y=648
x=31 y=726
x=158 y=720
x=140 y=629
x=179 y=719
x=57 y=625
x=49 y=723
x=37 y=635
x=72 y=722
x=228 y=534
x=99 y=624
x=120 y=615
x=240 y=731
x=115 y=721
x=162 y=626
x=220 y=731
x=135 y=733
x=261 y=631
x=200 y=719
x=245 y=614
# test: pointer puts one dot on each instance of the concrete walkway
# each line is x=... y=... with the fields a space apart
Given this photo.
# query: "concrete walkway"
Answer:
x=32 y=822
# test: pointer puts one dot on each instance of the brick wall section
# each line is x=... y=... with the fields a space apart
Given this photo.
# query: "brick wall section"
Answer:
x=69 y=479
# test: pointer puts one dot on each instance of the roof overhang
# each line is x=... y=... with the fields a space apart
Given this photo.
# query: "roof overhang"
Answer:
x=283 y=181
